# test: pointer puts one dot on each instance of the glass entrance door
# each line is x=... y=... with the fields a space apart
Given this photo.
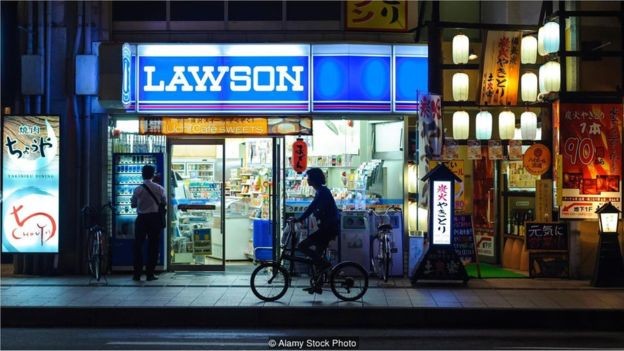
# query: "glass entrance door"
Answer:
x=196 y=205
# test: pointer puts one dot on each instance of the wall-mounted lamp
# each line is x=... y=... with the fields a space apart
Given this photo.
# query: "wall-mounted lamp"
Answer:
x=461 y=49
x=549 y=77
x=528 y=87
x=506 y=124
x=460 y=86
x=461 y=125
x=528 y=125
x=528 y=50
x=483 y=125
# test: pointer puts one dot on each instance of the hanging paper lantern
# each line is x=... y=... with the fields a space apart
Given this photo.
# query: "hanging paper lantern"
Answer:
x=299 y=156
x=483 y=125
x=460 y=86
x=506 y=125
x=549 y=77
x=528 y=50
x=528 y=125
x=461 y=125
x=551 y=37
x=540 y=42
x=461 y=49
x=528 y=87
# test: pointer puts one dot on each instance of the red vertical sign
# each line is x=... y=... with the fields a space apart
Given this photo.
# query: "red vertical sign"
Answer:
x=591 y=146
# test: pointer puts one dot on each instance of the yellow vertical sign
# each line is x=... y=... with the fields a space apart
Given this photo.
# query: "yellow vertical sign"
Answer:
x=376 y=15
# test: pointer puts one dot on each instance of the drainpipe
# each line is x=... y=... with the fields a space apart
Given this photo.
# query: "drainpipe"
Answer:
x=87 y=103
x=78 y=171
x=39 y=49
x=29 y=49
x=48 y=57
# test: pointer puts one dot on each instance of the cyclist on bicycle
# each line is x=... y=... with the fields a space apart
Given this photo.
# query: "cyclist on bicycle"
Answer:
x=326 y=212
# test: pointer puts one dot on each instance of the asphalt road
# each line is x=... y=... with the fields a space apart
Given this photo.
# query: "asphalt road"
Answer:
x=262 y=339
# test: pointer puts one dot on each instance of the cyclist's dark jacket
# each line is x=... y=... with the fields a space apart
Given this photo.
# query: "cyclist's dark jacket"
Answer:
x=324 y=208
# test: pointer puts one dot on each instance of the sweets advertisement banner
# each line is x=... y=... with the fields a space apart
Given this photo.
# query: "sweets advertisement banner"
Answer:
x=30 y=184
x=591 y=146
x=260 y=126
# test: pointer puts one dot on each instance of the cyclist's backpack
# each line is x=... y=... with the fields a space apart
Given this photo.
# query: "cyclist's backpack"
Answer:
x=162 y=208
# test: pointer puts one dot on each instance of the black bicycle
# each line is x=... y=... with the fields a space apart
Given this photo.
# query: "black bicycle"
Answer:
x=97 y=241
x=270 y=280
x=382 y=260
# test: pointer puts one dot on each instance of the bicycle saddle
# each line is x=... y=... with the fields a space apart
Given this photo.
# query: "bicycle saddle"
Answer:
x=385 y=226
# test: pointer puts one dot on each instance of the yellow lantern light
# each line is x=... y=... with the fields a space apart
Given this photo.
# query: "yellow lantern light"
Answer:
x=483 y=125
x=460 y=86
x=528 y=50
x=506 y=124
x=528 y=87
x=461 y=125
x=549 y=77
x=528 y=125
x=461 y=49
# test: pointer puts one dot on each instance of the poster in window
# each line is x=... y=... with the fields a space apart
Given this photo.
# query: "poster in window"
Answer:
x=591 y=148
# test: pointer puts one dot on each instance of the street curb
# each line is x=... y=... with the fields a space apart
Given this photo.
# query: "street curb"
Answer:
x=307 y=317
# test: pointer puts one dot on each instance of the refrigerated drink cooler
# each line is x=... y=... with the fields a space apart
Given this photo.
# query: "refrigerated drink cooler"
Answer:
x=126 y=177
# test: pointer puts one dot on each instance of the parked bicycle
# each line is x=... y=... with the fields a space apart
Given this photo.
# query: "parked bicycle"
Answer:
x=97 y=241
x=270 y=280
x=381 y=260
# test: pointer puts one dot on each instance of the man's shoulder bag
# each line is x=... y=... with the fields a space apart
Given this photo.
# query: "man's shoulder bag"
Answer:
x=162 y=207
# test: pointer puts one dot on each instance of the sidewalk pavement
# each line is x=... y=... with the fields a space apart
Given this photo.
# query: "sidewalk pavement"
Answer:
x=224 y=299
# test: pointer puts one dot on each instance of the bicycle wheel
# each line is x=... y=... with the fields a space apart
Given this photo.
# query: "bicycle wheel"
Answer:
x=95 y=256
x=269 y=281
x=348 y=281
x=386 y=260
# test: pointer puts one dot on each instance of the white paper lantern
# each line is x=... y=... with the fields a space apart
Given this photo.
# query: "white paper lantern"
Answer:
x=528 y=87
x=460 y=86
x=528 y=125
x=506 y=125
x=461 y=125
x=540 y=42
x=461 y=49
x=551 y=37
x=549 y=77
x=528 y=50
x=483 y=125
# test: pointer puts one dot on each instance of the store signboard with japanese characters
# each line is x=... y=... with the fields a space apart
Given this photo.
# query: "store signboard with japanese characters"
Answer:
x=376 y=15
x=591 y=146
x=30 y=184
x=501 y=69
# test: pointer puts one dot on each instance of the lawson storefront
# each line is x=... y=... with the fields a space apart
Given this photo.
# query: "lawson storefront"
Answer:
x=220 y=121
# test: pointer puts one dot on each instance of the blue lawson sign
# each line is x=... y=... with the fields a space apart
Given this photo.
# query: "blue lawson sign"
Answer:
x=223 y=78
x=273 y=78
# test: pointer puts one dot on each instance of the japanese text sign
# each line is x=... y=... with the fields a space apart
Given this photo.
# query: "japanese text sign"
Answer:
x=591 y=146
x=546 y=236
x=501 y=68
x=442 y=212
x=30 y=184
x=390 y=15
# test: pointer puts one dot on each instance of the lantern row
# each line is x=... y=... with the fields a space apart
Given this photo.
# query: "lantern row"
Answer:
x=506 y=125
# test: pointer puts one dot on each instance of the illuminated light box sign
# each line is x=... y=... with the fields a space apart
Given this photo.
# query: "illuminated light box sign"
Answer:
x=352 y=77
x=223 y=78
x=410 y=76
x=260 y=126
x=30 y=184
x=273 y=78
x=442 y=213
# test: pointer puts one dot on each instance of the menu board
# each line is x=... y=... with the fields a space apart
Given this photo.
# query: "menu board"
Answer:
x=546 y=236
x=440 y=263
x=463 y=238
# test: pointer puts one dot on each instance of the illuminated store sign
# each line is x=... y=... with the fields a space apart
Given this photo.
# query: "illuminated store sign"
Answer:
x=30 y=184
x=273 y=78
x=442 y=213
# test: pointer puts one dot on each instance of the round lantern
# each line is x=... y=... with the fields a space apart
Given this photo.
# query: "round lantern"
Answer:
x=506 y=125
x=549 y=77
x=460 y=86
x=528 y=50
x=528 y=87
x=551 y=37
x=299 y=156
x=461 y=125
x=540 y=42
x=483 y=125
x=461 y=49
x=528 y=125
